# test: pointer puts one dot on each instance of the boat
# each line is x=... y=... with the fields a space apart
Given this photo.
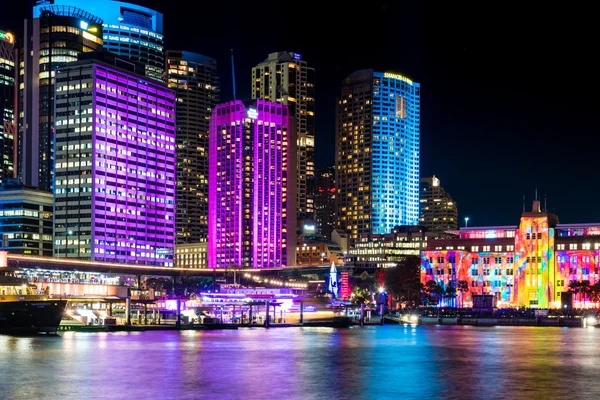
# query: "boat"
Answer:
x=24 y=310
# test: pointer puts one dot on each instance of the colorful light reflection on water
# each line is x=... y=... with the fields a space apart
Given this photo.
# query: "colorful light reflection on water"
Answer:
x=309 y=363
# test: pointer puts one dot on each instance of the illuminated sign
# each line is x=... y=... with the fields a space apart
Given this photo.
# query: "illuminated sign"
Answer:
x=296 y=56
x=309 y=227
x=83 y=25
x=252 y=113
x=7 y=37
x=396 y=76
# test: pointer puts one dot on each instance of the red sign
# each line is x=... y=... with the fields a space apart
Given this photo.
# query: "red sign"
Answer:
x=344 y=286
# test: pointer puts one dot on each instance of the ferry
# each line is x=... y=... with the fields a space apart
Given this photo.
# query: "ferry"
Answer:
x=24 y=310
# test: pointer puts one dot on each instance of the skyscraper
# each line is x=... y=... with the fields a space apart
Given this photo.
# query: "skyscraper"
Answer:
x=285 y=78
x=194 y=77
x=438 y=211
x=251 y=186
x=54 y=37
x=325 y=201
x=115 y=165
x=7 y=105
x=377 y=153
x=130 y=31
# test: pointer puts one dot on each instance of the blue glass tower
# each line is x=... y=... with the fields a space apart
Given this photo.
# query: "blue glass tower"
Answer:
x=130 y=30
x=377 y=153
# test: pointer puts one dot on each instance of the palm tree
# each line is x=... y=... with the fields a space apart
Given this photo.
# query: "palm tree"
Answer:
x=585 y=290
x=450 y=292
x=594 y=293
x=575 y=287
x=462 y=287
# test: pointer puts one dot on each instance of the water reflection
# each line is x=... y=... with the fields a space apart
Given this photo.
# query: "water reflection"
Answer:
x=372 y=362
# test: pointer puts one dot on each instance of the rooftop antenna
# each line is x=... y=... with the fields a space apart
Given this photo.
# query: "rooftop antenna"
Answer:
x=523 y=203
x=536 y=194
x=546 y=203
x=233 y=75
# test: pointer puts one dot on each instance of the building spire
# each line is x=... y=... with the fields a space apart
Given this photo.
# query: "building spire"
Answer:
x=233 y=75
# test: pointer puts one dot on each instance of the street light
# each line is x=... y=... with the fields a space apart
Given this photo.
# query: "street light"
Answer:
x=323 y=257
x=466 y=222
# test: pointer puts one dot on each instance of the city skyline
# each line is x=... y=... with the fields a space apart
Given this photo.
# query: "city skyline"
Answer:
x=481 y=93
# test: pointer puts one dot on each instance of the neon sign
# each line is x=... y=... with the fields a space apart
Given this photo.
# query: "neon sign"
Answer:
x=252 y=113
x=7 y=37
x=397 y=76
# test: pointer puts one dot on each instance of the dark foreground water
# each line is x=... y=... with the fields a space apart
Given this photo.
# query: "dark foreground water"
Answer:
x=308 y=363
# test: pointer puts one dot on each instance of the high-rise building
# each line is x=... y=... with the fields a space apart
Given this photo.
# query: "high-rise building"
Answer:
x=285 y=78
x=7 y=106
x=251 y=186
x=114 y=195
x=130 y=31
x=438 y=211
x=325 y=201
x=53 y=38
x=194 y=78
x=25 y=219
x=377 y=153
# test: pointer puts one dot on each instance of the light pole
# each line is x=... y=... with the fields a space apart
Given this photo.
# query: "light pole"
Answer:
x=466 y=222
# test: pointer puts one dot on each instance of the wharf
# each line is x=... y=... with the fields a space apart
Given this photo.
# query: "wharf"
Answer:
x=334 y=323
x=557 y=322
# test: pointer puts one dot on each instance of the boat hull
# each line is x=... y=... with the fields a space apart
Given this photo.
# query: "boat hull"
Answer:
x=23 y=317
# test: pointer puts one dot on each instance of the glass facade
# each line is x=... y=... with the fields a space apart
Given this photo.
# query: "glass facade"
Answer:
x=7 y=105
x=25 y=220
x=130 y=30
x=115 y=167
x=54 y=38
x=377 y=153
x=248 y=186
x=194 y=78
x=285 y=78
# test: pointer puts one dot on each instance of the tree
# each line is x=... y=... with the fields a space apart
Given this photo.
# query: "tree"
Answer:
x=434 y=292
x=594 y=293
x=584 y=288
x=360 y=296
x=403 y=281
x=462 y=287
x=450 y=292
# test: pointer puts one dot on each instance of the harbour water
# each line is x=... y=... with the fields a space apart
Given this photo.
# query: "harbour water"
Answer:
x=305 y=363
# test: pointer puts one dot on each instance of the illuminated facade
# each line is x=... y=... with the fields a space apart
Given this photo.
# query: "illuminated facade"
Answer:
x=53 y=38
x=325 y=201
x=25 y=220
x=191 y=255
x=194 y=78
x=386 y=251
x=251 y=186
x=528 y=265
x=377 y=153
x=130 y=31
x=285 y=78
x=438 y=211
x=7 y=106
x=114 y=194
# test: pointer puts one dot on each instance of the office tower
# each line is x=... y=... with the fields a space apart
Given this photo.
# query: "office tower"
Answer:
x=251 y=186
x=325 y=201
x=130 y=31
x=7 y=106
x=438 y=212
x=194 y=78
x=25 y=219
x=285 y=78
x=377 y=153
x=53 y=38
x=115 y=165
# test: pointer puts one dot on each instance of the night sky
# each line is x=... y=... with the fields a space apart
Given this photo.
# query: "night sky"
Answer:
x=509 y=92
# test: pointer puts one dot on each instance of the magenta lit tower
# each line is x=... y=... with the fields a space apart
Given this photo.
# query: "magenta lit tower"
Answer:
x=250 y=177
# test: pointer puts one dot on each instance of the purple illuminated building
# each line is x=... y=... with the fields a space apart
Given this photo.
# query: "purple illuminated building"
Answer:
x=114 y=195
x=251 y=209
